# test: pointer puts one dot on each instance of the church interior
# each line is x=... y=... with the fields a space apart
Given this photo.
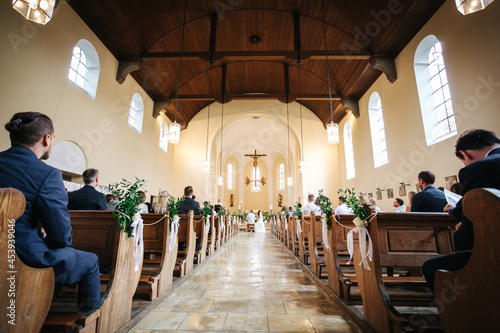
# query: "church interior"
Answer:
x=329 y=94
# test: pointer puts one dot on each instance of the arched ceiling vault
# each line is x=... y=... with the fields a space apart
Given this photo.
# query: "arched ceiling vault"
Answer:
x=362 y=40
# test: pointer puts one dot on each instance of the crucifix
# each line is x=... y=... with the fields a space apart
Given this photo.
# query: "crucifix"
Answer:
x=255 y=157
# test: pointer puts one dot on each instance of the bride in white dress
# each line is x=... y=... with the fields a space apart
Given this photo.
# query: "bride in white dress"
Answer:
x=259 y=225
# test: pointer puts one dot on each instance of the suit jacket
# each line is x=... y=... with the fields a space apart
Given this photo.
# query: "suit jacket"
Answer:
x=430 y=199
x=482 y=173
x=87 y=198
x=189 y=204
x=46 y=203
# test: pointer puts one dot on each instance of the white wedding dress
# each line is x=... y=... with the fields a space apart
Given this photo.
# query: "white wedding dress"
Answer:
x=259 y=225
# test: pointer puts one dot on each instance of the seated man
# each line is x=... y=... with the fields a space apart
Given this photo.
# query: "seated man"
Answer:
x=88 y=198
x=250 y=221
x=189 y=203
x=342 y=207
x=32 y=138
x=398 y=205
x=310 y=207
x=479 y=150
x=430 y=199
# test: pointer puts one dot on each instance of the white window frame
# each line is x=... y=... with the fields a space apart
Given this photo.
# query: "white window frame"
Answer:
x=434 y=102
x=256 y=175
x=86 y=68
x=349 y=152
x=230 y=176
x=136 y=113
x=164 y=137
x=377 y=130
x=281 y=177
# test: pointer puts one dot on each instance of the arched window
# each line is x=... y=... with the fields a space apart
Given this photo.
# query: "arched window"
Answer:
x=377 y=130
x=84 y=68
x=349 y=152
x=230 y=176
x=256 y=176
x=164 y=137
x=282 y=177
x=136 y=113
x=433 y=91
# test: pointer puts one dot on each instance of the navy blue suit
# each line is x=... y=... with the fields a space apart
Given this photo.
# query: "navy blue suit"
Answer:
x=189 y=204
x=482 y=173
x=87 y=198
x=46 y=204
x=430 y=199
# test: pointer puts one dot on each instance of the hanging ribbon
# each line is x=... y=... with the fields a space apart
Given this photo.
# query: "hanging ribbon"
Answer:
x=222 y=225
x=299 y=228
x=207 y=224
x=286 y=224
x=229 y=220
x=138 y=227
x=173 y=232
x=324 y=232
x=363 y=234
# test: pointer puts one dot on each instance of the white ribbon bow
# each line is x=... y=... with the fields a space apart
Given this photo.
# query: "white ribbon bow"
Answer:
x=363 y=233
x=138 y=227
x=207 y=224
x=324 y=232
x=299 y=228
x=222 y=226
x=286 y=224
x=173 y=232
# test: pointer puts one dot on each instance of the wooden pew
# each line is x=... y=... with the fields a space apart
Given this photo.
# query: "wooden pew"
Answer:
x=400 y=240
x=201 y=233
x=303 y=240
x=186 y=234
x=293 y=236
x=468 y=299
x=212 y=236
x=98 y=232
x=218 y=233
x=316 y=255
x=31 y=308
x=159 y=262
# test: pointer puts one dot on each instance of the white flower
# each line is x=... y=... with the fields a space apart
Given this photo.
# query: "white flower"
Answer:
x=136 y=217
x=358 y=222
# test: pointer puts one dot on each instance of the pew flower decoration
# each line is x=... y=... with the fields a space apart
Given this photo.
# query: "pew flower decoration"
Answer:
x=222 y=225
x=326 y=208
x=127 y=213
x=206 y=212
x=173 y=207
x=298 y=217
x=363 y=215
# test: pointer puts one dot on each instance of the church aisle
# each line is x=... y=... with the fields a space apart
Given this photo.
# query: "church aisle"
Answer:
x=251 y=284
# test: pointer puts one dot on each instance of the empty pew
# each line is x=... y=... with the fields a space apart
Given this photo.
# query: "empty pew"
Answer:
x=159 y=262
x=468 y=299
x=293 y=236
x=186 y=234
x=303 y=240
x=29 y=308
x=201 y=234
x=316 y=255
x=98 y=232
x=400 y=240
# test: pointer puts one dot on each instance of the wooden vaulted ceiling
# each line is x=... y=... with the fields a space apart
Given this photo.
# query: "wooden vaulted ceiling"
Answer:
x=148 y=35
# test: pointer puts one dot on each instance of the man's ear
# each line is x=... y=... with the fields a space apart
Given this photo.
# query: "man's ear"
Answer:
x=467 y=157
x=46 y=140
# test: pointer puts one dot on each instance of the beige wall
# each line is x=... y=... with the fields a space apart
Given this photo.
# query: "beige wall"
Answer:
x=471 y=51
x=34 y=69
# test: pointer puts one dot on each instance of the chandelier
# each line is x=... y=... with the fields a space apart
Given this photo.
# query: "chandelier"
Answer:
x=470 y=6
x=38 y=11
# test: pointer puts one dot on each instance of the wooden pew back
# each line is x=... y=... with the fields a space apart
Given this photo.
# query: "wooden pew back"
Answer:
x=30 y=308
x=303 y=239
x=200 y=230
x=186 y=234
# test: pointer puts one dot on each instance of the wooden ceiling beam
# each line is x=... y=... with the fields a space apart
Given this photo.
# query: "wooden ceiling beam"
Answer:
x=257 y=96
x=258 y=55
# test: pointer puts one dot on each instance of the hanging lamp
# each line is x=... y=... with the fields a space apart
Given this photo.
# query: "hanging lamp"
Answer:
x=302 y=164
x=289 y=179
x=174 y=130
x=332 y=129
x=470 y=6
x=206 y=163
x=38 y=11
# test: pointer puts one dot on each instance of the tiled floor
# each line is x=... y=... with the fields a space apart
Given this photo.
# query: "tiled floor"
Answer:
x=252 y=284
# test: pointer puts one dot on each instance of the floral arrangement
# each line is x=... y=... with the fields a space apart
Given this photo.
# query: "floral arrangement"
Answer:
x=173 y=207
x=127 y=210
x=361 y=209
x=326 y=207
x=221 y=213
x=298 y=211
x=285 y=209
x=206 y=211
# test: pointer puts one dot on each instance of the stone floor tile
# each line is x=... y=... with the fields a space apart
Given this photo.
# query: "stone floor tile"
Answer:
x=246 y=322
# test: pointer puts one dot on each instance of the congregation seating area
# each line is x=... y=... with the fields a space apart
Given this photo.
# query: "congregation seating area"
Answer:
x=390 y=294
x=123 y=288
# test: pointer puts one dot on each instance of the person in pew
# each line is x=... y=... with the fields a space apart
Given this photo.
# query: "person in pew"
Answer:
x=411 y=194
x=218 y=206
x=342 y=207
x=21 y=167
x=143 y=208
x=189 y=203
x=430 y=199
x=456 y=188
x=372 y=202
x=88 y=198
x=251 y=219
x=479 y=151
x=310 y=207
x=398 y=205
x=112 y=202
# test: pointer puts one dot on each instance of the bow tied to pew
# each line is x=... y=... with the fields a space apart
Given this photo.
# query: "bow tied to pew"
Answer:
x=364 y=236
x=137 y=232
x=173 y=235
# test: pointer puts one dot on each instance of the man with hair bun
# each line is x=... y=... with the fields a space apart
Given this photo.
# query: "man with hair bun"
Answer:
x=32 y=138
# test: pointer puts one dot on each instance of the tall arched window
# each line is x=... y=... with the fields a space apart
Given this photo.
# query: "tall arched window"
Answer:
x=433 y=91
x=282 y=177
x=349 y=152
x=136 y=113
x=164 y=137
x=84 y=68
x=377 y=130
x=256 y=176
x=230 y=176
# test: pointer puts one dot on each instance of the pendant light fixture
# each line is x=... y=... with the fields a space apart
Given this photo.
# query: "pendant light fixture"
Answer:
x=174 y=131
x=206 y=163
x=38 y=11
x=470 y=6
x=289 y=179
x=220 y=180
x=332 y=129
x=302 y=164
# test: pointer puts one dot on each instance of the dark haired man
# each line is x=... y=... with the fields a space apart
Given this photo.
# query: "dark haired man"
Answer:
x=88 y=198
x=479 y=150
x=189 y=203
x=398 y=205
x=32 y=138
x=430 y=199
